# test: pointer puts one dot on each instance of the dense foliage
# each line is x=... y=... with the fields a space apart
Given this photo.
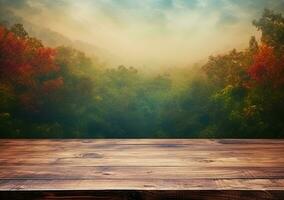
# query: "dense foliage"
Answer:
x=60 y=92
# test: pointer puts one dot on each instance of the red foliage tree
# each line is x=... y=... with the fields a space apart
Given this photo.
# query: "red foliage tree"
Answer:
x=267 y=67
x=28 y=66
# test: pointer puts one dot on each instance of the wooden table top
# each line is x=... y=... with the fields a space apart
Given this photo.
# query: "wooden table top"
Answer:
x=141 y=164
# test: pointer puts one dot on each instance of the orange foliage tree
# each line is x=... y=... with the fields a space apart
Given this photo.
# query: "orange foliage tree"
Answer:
x=28 y=67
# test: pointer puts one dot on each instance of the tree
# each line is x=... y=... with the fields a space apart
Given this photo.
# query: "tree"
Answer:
x=267 y=69
x=272 y=28
x=28 y=74
x=19 y=31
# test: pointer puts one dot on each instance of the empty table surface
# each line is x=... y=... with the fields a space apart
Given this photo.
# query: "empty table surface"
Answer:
x=142 y=168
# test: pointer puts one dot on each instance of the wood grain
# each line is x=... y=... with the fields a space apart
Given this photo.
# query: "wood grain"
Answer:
x=142 y=169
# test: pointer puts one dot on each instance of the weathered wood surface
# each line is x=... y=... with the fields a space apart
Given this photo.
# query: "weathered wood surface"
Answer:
x=142 y=169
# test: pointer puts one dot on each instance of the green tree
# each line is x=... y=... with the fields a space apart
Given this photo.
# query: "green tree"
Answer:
x=271 y=25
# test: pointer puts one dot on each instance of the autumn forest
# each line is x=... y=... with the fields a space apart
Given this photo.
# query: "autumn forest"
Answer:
x=62 y=92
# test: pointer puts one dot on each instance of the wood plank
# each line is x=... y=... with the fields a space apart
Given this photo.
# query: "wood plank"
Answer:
x=151 y=169
x=141 y=184
x=111 y=172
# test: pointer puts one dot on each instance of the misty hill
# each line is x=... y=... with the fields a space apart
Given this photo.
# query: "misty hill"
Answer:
x=50 y=37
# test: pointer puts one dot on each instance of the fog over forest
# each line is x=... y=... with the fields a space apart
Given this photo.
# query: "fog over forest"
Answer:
x=148 y=33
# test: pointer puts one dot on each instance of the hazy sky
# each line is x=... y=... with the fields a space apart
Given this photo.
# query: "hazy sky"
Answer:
x=151 y=32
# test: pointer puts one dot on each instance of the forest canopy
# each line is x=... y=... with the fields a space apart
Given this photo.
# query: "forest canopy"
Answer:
x=48 y=92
